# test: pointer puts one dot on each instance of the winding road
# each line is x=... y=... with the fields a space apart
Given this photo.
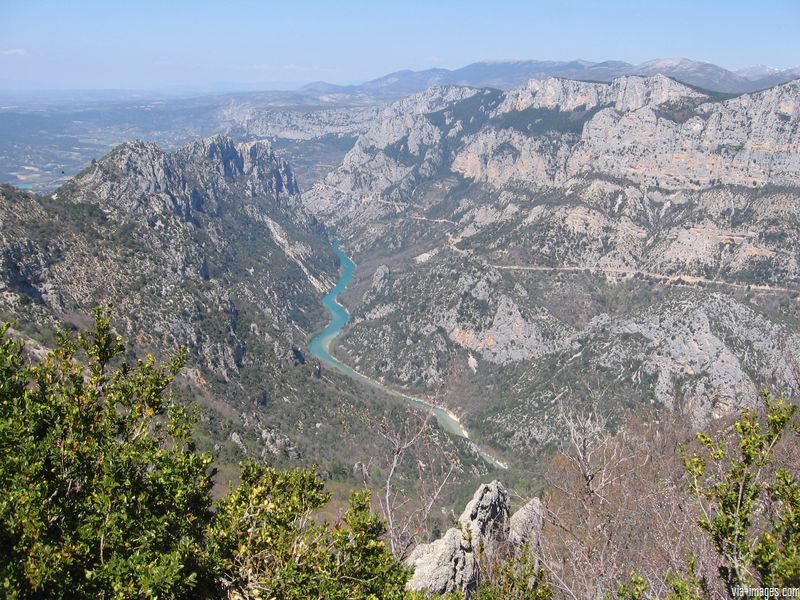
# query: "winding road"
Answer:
x=675 y=279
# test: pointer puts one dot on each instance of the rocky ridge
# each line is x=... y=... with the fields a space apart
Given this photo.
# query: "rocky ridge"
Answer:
x=485 y=528
x=511 y=74
x=300 y=123
x=691 y=143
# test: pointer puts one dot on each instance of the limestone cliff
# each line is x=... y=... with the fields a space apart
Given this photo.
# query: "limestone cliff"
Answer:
x=651 y=131
x=547 y=243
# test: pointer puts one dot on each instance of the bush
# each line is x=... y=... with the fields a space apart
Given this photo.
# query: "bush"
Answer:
x=103 y=494
x=100 y=488
x=750 y=511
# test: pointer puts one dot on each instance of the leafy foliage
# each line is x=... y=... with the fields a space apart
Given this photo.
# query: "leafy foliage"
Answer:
x=752 y=520
x=270 y=546
x=689 y=586
x=633 y=590
x=519 y=576
x=103 y=494
x=101 y=488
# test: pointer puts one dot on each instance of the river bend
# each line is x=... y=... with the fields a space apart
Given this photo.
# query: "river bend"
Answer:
x=320 y=345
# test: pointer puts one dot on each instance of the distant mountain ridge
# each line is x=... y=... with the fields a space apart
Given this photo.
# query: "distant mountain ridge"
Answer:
x=510 y=74
x=44 y=140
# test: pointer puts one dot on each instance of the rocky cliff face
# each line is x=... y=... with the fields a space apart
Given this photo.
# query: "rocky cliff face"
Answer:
x=650 y=131
x=138 y=178
x=401 y=147
x=635 y=238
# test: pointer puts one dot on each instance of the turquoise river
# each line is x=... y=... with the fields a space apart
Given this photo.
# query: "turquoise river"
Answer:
x=320 y=346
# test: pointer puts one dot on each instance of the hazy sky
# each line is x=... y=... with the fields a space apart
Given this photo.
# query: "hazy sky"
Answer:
x=172 y=43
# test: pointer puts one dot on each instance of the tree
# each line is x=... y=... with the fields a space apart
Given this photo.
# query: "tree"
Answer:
x=614 y=505
x=103 y=494
x=270 y=547
x=406 y=513
x=749 y=507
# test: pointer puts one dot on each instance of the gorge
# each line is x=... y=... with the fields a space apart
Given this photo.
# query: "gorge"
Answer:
x=320 y=347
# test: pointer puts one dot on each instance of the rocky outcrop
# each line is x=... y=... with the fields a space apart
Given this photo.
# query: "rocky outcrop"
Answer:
x=698 y=352
x=624 y=94
x=470 y=312
x=453 y=562
x=202 y=178
x=526 y=524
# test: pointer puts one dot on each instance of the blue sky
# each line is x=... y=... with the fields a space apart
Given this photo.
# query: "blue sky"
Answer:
x=147 y=44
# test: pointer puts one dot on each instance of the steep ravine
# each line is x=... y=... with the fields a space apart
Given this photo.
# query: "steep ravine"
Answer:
x=319 y=346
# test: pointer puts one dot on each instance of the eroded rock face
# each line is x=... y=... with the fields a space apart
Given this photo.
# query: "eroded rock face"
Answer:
x=652 y=131
x=465 y=308
x=399 y=146
x=526 y=524
x=452 y=562
x=624 y=93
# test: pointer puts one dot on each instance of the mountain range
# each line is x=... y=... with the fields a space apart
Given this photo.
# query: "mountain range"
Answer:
x=510 y=74
x=630 y=241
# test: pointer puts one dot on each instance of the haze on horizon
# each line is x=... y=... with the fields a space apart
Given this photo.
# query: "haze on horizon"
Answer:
x=247 y=44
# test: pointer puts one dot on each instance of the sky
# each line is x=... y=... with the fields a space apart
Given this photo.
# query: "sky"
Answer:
x=173 y=44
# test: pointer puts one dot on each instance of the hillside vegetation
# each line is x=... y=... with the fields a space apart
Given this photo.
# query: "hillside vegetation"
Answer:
x=103 y=494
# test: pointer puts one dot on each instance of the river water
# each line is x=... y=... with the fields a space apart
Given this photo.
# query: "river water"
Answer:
x=320 y=344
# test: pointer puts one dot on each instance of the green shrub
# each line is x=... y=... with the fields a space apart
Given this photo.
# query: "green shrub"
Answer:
x=103 y=494
x=750 y=511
